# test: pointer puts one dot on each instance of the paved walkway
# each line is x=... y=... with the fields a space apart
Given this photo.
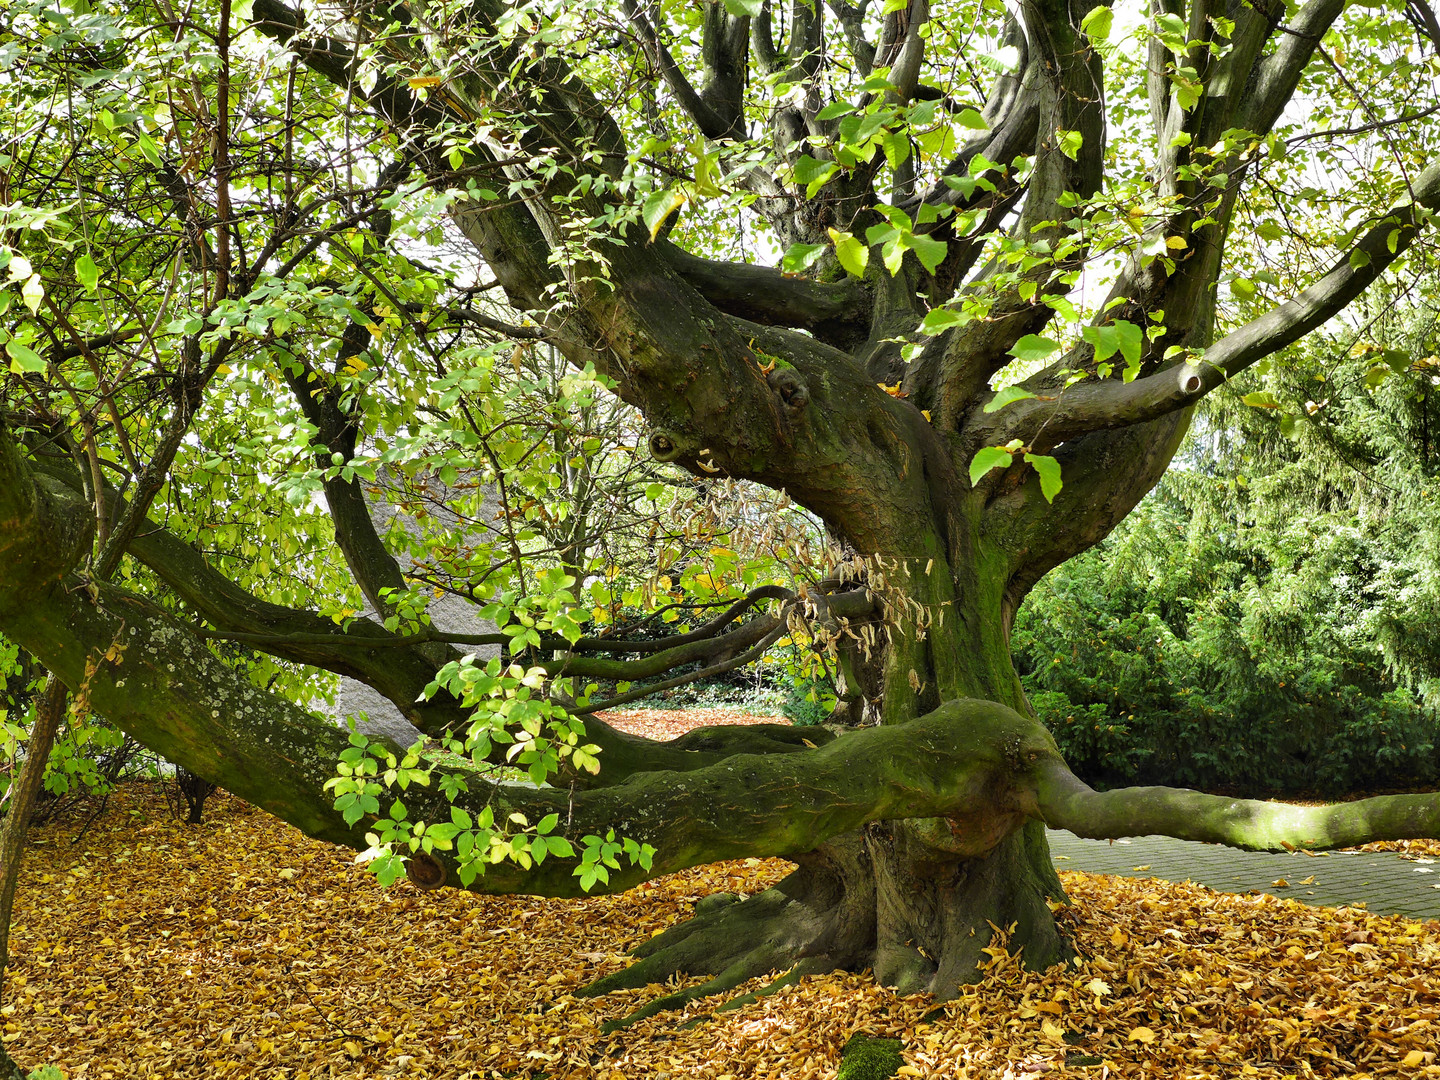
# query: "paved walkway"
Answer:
x=1386 y=884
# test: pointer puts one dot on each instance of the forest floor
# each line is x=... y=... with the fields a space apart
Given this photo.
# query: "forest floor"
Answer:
x=241 y=948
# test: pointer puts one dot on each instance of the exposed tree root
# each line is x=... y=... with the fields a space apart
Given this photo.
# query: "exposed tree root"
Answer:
x=886 y=899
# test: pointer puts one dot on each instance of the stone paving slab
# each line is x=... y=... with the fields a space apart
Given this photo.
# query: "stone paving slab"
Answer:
x=1386 y=884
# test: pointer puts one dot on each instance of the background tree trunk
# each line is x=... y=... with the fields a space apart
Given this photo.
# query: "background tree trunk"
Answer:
x=24 y=790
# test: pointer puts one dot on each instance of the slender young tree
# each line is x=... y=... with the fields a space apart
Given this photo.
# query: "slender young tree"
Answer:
x=1015 y=245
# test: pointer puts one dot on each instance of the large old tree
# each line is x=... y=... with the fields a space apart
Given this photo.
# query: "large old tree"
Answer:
x=951 y=276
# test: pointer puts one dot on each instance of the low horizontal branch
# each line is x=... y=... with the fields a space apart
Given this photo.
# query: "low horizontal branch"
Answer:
x=1068 y=803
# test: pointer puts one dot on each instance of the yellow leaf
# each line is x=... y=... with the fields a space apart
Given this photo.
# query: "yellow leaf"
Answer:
x=421 y=81
x=1413 y=1058
x=1098 y=987
x=908 y=1070
x=1052 y=1031
x=1280 y=883
x=1118 y=938
x=926 y=414
x=1176 y=243
x=1141 y=1034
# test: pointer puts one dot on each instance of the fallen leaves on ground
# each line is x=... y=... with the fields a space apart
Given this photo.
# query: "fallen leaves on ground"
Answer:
x=242 y=948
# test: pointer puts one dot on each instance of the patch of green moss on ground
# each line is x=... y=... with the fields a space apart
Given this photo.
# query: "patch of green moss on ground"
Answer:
x=868 y=1058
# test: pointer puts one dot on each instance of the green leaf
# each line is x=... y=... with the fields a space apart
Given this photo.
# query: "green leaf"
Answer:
x=1033 y=347
x=1097 y=23
x=1120 y=336
x=659 y=206
x=834 y=110
x=558 y=845
x=941 y=319
x=801 y=256
x=987 y=458
x=969 y=118
x=815 y=174
x=1172 y=29
x=1131 y=339
x=148 y=149
x=1005 y=397
x=23 y=360
x=1049 y=470
x=1397 y=360
x=87 y=273
x=893 y=253
x=1070 y=143
x=744 y=7
x=1261 y=399
x=1187 y=91
x=897 y=147
x=32 y=292
x=930 y=252
x=853 y=254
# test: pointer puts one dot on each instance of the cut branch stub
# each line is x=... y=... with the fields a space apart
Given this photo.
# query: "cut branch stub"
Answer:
x=790 y=386
x=425 y=871
x=664 y=446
